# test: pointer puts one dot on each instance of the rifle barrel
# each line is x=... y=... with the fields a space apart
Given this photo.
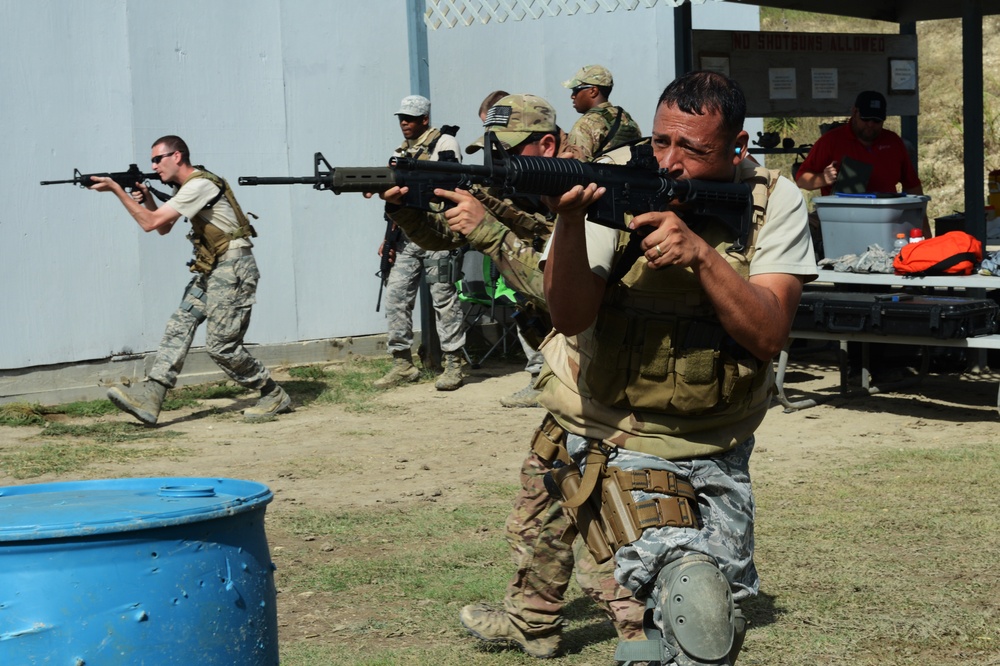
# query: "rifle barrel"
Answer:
x=279 y=180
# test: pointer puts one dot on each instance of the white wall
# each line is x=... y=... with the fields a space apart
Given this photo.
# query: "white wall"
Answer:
x=255 y=87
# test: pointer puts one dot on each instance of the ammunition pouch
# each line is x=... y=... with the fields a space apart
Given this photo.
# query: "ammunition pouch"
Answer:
x=549 y=442
x=671 y=365
x=444 y=266
x=601 y=505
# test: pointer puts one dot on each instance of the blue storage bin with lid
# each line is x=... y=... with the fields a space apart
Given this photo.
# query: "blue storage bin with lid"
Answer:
x=137 y=571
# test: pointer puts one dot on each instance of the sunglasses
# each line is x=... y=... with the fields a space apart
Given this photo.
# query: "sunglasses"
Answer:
x=577 y=89
x=159 y=158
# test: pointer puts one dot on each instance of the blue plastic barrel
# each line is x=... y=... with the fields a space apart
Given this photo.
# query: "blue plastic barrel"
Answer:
x=136 y=571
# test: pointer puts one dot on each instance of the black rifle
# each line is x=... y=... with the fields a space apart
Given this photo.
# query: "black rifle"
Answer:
x=632 y=189
x=127 y=179
x=393 y=234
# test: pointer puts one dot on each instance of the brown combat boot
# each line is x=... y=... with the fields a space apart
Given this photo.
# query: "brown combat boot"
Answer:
x=142 y=402
x=272 y=403
x=495 y=626
x=452 y=376
x=402 y=371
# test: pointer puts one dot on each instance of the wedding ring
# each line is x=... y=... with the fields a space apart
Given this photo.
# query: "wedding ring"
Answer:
x=659 y=252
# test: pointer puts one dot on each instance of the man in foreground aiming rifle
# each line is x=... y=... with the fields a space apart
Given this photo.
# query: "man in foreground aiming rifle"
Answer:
x=660 y=371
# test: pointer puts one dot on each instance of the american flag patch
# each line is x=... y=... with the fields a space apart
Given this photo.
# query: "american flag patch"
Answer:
x=498 y=116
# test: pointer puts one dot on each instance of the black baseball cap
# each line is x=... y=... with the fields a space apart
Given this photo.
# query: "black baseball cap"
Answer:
x=870 y=105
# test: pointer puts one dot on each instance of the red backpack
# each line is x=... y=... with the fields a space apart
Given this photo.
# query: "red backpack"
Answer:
x=953 y=253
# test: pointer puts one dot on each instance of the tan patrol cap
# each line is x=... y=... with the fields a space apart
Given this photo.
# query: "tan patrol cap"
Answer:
x=516 y=117
x=591 y=75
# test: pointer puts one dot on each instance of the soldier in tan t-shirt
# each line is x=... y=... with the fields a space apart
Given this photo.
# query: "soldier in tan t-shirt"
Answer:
x=221 y=293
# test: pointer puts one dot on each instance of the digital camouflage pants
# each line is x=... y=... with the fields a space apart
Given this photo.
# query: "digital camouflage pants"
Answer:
x=223 y=300
x=726 y=511
x=544 y=562
x=401 y=294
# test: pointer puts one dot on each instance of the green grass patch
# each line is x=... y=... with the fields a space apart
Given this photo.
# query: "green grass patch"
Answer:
x=348 y=384
x=60 y=458
x=890 y=560
x=394 y=580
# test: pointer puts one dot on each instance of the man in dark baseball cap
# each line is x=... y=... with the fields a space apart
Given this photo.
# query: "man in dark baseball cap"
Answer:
x=860 y=155
x=870 y=105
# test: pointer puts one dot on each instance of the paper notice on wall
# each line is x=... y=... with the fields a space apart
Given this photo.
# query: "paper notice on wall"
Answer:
x=824 y=82
x=781 y=82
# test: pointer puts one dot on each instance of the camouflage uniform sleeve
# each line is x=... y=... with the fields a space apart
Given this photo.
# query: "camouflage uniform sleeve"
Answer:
x=526 y=225
x=584 y=136
x=515 y=258
x=428 y=230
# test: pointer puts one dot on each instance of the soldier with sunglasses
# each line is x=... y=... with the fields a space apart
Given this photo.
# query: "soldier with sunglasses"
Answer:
x=221 y=293
x=602 y=126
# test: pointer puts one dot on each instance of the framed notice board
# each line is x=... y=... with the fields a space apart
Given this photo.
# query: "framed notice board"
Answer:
x=813 y=74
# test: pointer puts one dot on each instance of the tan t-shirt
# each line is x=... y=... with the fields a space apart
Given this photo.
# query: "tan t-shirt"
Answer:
x=190 y=201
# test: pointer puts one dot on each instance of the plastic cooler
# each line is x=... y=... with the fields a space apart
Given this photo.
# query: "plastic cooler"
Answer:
x=852 y=222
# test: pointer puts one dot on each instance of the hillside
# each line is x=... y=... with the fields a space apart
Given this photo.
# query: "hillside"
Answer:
x=940 y=121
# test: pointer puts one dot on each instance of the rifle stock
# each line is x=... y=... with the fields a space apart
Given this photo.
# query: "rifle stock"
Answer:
x=632 y=189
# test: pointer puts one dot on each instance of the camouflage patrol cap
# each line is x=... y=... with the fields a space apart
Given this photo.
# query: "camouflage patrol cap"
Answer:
x=591 y=75
x=514 y=118
x=414 y=105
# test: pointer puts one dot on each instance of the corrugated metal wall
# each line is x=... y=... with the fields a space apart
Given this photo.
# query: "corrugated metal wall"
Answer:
x=255 y=87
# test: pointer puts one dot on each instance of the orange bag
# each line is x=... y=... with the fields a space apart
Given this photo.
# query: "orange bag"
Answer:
x=953 y=253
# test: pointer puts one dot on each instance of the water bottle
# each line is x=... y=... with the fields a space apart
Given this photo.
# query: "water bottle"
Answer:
x=899 y=244
x=916 y=235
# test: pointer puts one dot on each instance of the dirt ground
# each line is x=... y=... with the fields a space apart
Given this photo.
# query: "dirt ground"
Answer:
x=425 y=445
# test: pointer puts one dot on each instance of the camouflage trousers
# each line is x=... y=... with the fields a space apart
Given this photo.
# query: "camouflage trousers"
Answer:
x=726 y=508
x=544 y=563
x=535 y=357
x=223 y=300
x=401 y=294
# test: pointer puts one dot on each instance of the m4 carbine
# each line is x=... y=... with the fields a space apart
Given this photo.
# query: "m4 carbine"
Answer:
x=127 y=179
x=632 y=189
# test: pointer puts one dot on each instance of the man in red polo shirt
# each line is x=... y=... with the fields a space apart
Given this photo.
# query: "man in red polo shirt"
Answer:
x=862 y=139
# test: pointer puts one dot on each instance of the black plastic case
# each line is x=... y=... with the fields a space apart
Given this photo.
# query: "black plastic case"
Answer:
x=939 y=317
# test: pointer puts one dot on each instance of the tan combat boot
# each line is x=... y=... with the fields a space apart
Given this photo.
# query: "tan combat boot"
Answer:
x=402 y=371
x=526 y=397
x=270 y=405
x=452 y=377
x=142 y=402
x=495 y=626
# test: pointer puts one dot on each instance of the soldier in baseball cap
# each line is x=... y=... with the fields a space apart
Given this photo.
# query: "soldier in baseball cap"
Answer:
x=602 y=126
x=591 y=75
x=415 y=106
x=515 y=118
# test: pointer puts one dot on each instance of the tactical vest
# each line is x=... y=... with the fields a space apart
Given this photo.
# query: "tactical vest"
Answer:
x=424 y=148
x=613 y=117
x=658 y=343
x=209 y=241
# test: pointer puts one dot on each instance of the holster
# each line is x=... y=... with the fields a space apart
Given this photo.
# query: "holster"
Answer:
x=600 y=503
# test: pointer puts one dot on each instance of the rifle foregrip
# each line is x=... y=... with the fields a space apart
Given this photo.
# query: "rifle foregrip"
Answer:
x=362 y=179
